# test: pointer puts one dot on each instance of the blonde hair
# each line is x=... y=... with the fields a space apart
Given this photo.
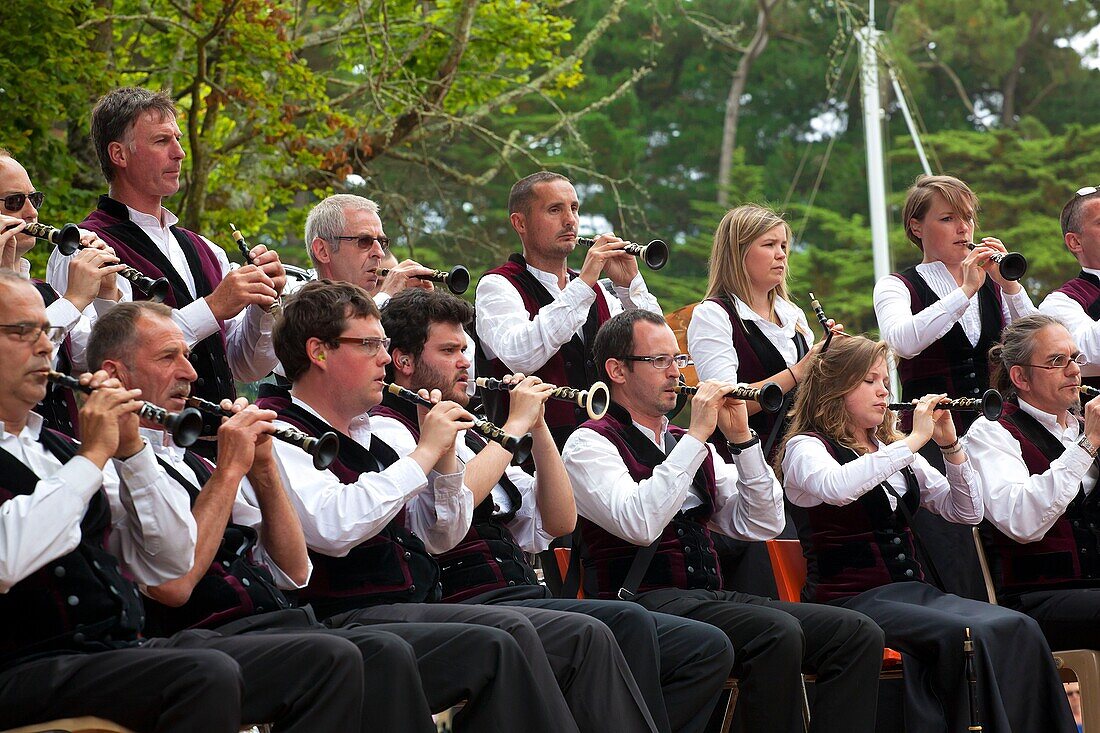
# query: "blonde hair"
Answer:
x=739 y=228
x=918 y=198
x=819 y=406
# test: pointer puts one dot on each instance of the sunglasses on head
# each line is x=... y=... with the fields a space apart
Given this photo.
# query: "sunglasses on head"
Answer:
x=15 y=201
x=1087 y=190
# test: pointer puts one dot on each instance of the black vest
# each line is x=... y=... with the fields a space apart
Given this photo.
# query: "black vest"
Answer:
x=685 y=556
x=573 y=365
x=488 y=557
x=79 y=602
x=393 y=566
x=233 y=587
x=58 y=408
x=950 y=365
x=863 y=545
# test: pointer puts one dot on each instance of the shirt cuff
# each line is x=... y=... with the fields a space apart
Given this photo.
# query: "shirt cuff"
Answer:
x=688 y=455
x=81 y=477
x=140 y=470
x=199 y=319
x=751 y=463
x=62 y=313
x=580 y=294
x=1078 y=460
x=102 y=305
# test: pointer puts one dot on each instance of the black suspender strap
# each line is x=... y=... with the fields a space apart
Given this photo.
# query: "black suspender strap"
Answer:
x=645 y=555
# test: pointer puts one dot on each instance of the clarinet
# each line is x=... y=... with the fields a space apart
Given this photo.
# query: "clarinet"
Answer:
x=185 y=426
x=323 y=449
x=971 y=681
x=519 y=447
x=276 y=307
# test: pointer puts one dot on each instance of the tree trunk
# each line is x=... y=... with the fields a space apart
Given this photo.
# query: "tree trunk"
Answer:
x=737 y=89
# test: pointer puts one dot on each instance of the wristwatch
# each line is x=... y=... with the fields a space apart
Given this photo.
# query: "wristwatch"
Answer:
x=736 y=448
x=1085 y=443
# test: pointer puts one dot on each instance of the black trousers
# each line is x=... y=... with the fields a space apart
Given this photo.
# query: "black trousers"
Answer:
x=517 y=675
x=1070 y=619
x=301 y=682
x=774 y=642
x=394 y=697
x=149 y=690
x=1018 y=685
x=679 y=664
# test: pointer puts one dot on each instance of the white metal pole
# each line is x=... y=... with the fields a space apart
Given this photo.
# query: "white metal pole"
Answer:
x=909 y=121
x=876 y=178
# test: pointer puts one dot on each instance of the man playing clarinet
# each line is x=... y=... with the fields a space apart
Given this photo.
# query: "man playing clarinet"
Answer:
x=535 y=315
x=1077 y=302
x=641 y=484
x=222 y=312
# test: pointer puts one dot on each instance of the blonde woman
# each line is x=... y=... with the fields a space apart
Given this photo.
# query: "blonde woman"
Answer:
x=860 y=480
x=747 y=329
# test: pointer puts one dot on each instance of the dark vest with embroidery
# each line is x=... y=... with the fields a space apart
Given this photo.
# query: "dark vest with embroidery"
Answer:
x=757 y=359
x=572 y=366
x=79 y=602
x=59 y=408
x=865 y=544
x=950 y=365
x=111 y=221
x=1085 y=291
x=233 y=587
x=1066 y=557
x=685 y=556
x=391 y=567
x=488 y=557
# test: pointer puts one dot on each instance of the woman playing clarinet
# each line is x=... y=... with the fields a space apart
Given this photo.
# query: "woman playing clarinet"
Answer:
x=941 y=317
x=860 y=480
x=747 y=306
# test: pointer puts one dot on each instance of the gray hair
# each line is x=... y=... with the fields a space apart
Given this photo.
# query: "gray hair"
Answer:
x=1017 y=348
x=114 y=116
x=327 y=219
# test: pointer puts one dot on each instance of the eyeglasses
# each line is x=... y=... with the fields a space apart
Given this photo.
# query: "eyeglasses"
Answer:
x=1061 y=361
x=31 y=332
x=366 y=242
x=662 y=361
x=15 y=201
x=370 y=344
x=1087 y=190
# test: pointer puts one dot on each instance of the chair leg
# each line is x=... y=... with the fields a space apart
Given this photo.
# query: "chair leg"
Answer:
x=731 y=704
x=805 y=707
x=1085 y=664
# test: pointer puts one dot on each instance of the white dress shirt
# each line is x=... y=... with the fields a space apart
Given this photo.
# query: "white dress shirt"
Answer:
x=1022 y=506
x=812 y=476
x=152 y=533
x=77 y=325
x=710 y=336
x=243 y=513
x=526 y=526
x=1085 y=331
x=507 y=331
x=749 y=498
x=909 y=335
x=336 y=517
x=248 y=344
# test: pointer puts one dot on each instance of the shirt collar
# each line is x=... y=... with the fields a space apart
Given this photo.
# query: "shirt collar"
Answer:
x=359 y=427
x=31 y=430
x=161 y=440
x=1090 y=271
x=1049 y=421
x=787 y=313
x=544 y=277
x=658 y=438
x=165 y=220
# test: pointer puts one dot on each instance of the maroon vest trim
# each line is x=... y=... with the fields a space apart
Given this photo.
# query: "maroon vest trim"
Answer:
x=1061 y=557
x=1085 y=291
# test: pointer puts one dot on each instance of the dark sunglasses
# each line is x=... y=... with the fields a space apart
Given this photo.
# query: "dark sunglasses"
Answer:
x=15 y=201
